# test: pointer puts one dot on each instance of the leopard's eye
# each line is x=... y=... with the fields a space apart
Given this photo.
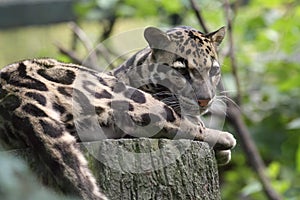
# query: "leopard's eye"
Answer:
x=214 y=70
x=180 y=63
x=181 y=66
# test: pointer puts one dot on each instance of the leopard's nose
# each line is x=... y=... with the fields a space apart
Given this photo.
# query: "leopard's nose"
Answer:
x=203 y=102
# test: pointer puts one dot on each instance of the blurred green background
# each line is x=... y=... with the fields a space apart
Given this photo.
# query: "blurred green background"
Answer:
x=267 y=51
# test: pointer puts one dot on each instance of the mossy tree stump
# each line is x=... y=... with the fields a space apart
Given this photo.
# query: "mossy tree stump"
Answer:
x=145 y=168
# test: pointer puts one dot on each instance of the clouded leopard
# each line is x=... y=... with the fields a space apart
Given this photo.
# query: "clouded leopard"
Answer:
x=49 y=106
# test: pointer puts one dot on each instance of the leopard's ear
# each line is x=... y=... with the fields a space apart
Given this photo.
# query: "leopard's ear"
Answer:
x=156 y=38
x=217 y=36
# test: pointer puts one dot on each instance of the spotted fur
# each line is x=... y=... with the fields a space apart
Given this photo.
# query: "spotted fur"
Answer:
x=49 y=106
x=182 y=54
x=180 y=68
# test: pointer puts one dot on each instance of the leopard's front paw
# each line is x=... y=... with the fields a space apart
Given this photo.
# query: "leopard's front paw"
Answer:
x=219 y=140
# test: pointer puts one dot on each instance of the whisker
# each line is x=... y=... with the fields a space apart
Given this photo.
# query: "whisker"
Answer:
x=163 y=93
x=217 y=108
x=227 y=99
x=227 y=91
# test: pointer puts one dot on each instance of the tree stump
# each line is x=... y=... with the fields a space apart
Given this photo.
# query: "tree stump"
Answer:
x=144 y=168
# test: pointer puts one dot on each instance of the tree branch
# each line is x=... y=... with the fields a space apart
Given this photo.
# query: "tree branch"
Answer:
x=108 y=25
x=229 y=17
x=234 y=116
x=101 y=50
x=197 y=11
x=86 y=43
x=71 y=54
x=93 y=53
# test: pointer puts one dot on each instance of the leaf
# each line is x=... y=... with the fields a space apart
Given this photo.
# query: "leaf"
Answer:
x=274 y=169
x=82 y=8
x=298 y=159
x=251 y=188
x=294 y=124
x=172 y=6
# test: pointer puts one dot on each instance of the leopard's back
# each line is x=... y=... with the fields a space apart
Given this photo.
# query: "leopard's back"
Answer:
x=38 y=90
x=49 y=106
x=36 y=112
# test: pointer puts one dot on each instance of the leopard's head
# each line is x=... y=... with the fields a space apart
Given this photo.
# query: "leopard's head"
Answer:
x=192 y=54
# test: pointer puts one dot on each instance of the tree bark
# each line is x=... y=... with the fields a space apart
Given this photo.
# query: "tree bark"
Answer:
x=154 y=169
x=135 y=169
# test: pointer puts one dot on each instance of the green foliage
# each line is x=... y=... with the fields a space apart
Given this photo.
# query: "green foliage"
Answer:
x=103 y=9
x=17 y=182
x=267 y=47
x=267 y=38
